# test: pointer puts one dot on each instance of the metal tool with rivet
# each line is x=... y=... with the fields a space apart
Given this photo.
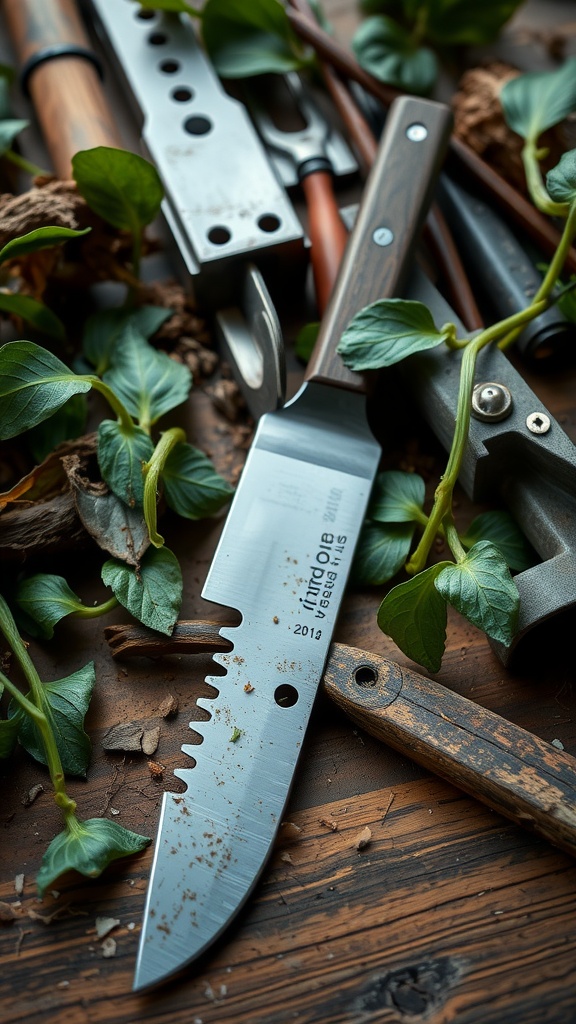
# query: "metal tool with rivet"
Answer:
x=517 y=452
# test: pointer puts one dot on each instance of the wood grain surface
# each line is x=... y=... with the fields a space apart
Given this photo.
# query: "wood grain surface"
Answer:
x=391 y=896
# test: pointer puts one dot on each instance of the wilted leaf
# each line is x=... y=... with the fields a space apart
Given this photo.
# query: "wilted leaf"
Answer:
x=88 y=847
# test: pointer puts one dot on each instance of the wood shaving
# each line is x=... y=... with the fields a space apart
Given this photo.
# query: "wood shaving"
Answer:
x=169 y=707
x=108 y=947
x=19 y=884
x=363 y=838
x=7 y=914
x=150 y=740
x=328 y=823
x=156 y=769
x=104 y=925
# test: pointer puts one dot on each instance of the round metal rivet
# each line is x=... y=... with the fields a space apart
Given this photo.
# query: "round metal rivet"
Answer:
x=383 y=236
x=491 y=402
x=538 y=423
x=417 y=132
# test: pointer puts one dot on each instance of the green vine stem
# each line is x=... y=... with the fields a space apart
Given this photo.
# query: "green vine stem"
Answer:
x=124 y=417
x=37 y=708
x=152 y=470
x=531 y=157
x=96 y=610
x=441 y=514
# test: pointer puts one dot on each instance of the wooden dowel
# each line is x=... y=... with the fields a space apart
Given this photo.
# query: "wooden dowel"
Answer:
x=61 y=77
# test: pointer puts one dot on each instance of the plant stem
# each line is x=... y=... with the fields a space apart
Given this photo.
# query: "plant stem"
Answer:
x=443 y=496
x=23 y=164
x=41 y=713
x=535 y=182
x=98 y=609
x=124 y=417
x=151 y=470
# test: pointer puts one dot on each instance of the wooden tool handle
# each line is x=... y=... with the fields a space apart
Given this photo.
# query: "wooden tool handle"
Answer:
x=514 y=772
x=328 y=235
x=62 y=78
x=381 y=247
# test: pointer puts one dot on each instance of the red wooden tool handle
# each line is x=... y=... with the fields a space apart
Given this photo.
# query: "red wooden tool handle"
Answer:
x=327 y=233
x=63 y=81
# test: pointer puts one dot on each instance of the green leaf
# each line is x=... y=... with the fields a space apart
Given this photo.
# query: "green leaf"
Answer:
x=66 y=423
x=561 y=180
x=147 y=382
x=390 y=53
x=255 y=38
x=503 y=531
x=382 y=551
x=120 y=457
x=453 y=23
x=67 y=703
x=534 y=102
x=41 y=238
x=9 y=129
x=305 y=341
x=33 y=384
x=397 y=497
x=483 y=591
x=45 y=599
x=88 y=847
x=388 y=331
x=121 y=187
x=175 y=6
x=34 y=313
x=153 y=593
x=103 y=331
x=192 y=487
x=413 y=614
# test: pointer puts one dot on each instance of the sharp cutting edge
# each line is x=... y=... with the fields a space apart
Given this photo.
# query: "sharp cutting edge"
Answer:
x=283 y=562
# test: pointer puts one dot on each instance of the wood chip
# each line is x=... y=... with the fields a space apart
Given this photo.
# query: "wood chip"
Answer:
x=126 y=736
x=328 y=823
x=156 y=769
x=150 y=740
x=19 y=884
x=363 y=838
x=7 y=913
x=109 y=947
x=169 y=707
x=104 y=925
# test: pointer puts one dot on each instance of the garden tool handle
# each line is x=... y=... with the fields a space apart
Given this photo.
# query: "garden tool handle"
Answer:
x=60 y=72
x=327 y=233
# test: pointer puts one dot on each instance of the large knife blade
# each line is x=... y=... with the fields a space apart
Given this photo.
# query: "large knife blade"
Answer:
x=282 y=562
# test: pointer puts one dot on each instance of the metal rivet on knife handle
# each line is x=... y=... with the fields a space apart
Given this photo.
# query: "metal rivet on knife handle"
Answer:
x=517 y=774
x=66 y=83
x=394 y=209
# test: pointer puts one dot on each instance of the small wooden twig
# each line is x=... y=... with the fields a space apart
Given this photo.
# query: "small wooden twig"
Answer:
x=134 y=641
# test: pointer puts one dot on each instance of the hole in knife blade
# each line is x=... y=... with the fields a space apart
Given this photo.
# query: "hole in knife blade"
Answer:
x=197 y=125
x=365 y=675
x=182 y=94
x=145 y=15
x=269 y=222
x=157 y=39
x=170 y=67
x=219 y=235
x=285 y=695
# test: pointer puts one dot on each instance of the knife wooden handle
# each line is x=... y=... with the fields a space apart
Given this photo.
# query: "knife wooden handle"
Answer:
x=60 y=73
x=381 y=247
x=517 y=774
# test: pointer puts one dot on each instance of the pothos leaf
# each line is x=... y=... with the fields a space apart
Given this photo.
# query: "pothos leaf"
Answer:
x=388 y=331
x=561 y=180
x=122 y=188
x=120 y=457
x=33 y=384
x=103 y=331
x=67 y=703
x=34 y=313
x=414 y=615
x=88 y=847
x=255 y=38
x=148 y=382
x=40 y=238
x=503 y=531
x=45 y=599
x=153 y=593
x=389 y=53
x=483 y=591
x=382 y=551
x=397 y=497
x=536 y=101
x=192 y=486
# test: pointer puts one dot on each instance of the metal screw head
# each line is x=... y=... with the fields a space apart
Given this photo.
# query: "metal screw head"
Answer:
x=383 y=236
x=491 y=402
x=538 y=423
x=417 y=132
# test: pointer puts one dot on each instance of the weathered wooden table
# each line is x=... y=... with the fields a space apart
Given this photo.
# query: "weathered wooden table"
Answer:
x=449 y=913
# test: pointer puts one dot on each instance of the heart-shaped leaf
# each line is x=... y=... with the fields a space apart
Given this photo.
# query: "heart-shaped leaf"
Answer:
x=192 y=487
x=414 y=615
x=88 y=847
x=388 y=331
x=397 y=497
x=534 y=102
x=121 y=187
x=45 y=599
x=483 y=591
x=561 y=180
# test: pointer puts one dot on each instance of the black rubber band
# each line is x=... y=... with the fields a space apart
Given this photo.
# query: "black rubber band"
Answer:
x=53 y=53
x=313 y=165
